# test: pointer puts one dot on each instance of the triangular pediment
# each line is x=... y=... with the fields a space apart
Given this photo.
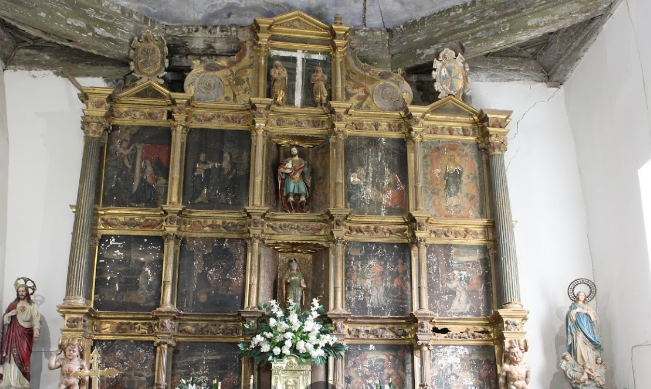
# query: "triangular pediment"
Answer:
x=290 y=23
x=451 y=107
x=146 y=90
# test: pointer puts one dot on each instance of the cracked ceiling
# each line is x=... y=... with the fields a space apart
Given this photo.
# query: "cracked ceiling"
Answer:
x=504 y=40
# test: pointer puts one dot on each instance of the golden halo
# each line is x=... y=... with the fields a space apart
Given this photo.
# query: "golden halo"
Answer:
x=28 y=282
x=582 y=281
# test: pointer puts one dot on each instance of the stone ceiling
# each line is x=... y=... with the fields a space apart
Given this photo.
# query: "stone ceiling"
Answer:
x=504 y=40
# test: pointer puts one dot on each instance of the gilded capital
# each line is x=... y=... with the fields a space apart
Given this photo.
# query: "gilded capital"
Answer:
x=94 y=127
x=495 y=141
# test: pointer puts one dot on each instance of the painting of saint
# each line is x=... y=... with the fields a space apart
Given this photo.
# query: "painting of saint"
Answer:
x=135 y=360
x=372 y=188
x=211 y=275
x=453 y=367
x=129 y=273
x=453 y=179
x=205 y=362
x=368 y=366
x=136 y=167
x=216 y=173
x=378 y=279
x=459 y=281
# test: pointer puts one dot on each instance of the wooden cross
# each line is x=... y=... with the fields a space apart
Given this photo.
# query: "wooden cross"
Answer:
x=95 y=373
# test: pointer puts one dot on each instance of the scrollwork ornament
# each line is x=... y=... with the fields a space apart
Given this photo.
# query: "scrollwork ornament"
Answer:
x=582 y=281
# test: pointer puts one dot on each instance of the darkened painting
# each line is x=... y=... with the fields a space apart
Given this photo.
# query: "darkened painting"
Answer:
x=206 y=362
x=453 y=179
x=216 y=175
x=376 y=176
x=128 y=273
x=136 y=167
x=135 y=360
x=368 y=366
x=459 y=281
x=211 y=275
x=302 y=79
x=378 y=279
x=460 y=367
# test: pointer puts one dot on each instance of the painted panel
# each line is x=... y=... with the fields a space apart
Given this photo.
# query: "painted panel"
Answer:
x=206 y=362
x=135 y=360
x=211 y=275
x=453 y=180
x=378 y=279
x=128 y=274
x=376 y=176
x=459 y=281
x=369 y=365
x=461 y=367
x=136 y=167
x=216 y=175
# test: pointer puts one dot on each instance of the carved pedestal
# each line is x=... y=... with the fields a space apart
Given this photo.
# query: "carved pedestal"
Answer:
x=291 y=374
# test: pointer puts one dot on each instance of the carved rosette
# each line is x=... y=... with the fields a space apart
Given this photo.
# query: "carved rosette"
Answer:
x=148 y=57
x=451 y=74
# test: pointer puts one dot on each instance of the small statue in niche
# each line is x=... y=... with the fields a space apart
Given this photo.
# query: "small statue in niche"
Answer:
x=278 y=75
x=292 y=183
x=319 y=90
x=516 y=373
x=71 y=362
x=294 y=284
x=201 y=178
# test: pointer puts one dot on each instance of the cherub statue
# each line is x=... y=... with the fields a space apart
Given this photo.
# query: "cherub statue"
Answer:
x=515 y=373
x=69 y=364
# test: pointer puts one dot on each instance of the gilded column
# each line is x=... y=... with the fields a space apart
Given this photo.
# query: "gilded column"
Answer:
x=258 y=132
x=254 y=275
x=164 y=342
x=169 y=263
x=179 y=130
x=339 y=49
x=261 y=26
x=340 y=244
x=423 y=303
x=507 y=265
x=80 y=263
x=338 y=135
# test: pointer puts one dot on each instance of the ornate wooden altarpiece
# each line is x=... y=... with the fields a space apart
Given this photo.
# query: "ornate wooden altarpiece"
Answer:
x=180 y=231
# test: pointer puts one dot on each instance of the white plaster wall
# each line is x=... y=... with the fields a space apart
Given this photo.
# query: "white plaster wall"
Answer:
x=547 y=203
x=607 y=102
x=44 y=163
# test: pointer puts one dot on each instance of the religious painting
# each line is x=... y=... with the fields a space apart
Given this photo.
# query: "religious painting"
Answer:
x=379 y=366
x=460 y=367
x=136 y=167
x=459 y=281
x=378 y=279
x=453 y=180
x=216 y=174
x=128 y=273
x=207 y=362
x=211 y=275
x=376 y=176
x=299 y=78
x=135 y=360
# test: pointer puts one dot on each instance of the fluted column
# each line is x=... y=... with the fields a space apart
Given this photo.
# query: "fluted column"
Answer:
x=164 y=341
x=423 y=303
x=254 y=265
x=337 y=138
x=257 y=137
x=79 y=264
x=507 y=264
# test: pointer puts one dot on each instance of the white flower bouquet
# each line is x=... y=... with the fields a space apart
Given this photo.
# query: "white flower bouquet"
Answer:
x=278 y=333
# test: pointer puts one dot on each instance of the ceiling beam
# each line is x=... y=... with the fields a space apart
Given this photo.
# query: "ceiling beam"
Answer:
x=566 y=47
x=486 y=26
x=7 y=46
x=100 y=27
x=505 y=69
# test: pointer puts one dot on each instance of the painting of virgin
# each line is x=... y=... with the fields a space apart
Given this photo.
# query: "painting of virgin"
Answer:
x=453 y=179
x=379 y=365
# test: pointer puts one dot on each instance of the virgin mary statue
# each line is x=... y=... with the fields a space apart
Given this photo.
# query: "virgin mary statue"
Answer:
x=582 y=338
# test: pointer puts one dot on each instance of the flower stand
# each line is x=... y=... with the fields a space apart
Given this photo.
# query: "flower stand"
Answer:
x=289 y=373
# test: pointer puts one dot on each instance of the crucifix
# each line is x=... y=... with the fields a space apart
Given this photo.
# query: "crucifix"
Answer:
x=300 y=56
x=95 y=373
